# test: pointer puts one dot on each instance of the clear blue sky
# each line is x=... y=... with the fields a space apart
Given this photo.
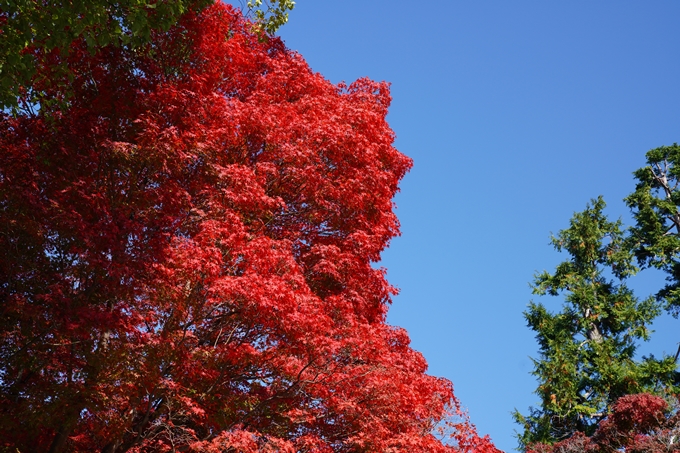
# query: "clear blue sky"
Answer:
x=515 y=114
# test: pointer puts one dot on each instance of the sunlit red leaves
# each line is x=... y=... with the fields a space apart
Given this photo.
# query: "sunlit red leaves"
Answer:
x=639 y=423
x=190 y=244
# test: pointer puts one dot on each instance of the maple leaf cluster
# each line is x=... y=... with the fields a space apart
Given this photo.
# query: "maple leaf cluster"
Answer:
x=188 y=242
x=637 y=423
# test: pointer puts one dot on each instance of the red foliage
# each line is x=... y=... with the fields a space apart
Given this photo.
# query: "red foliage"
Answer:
x=637 y=424
x=187 y=259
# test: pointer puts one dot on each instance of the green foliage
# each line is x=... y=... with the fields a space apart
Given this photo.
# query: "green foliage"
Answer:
x=587 y=350
x=33 y=30
x=271 y=15
x=656 y=237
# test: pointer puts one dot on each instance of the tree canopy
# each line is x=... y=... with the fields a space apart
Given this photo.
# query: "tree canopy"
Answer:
x=655 y=205
x=637 y=423
x=587 y=351
x=271 y=15
x=33 y=31
x=189 y=238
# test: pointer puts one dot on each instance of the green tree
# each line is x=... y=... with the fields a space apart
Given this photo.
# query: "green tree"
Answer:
x=587 y=350
x=272 y=15
x=656 y=235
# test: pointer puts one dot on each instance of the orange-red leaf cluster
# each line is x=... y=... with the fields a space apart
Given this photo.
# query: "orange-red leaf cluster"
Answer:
x=639 y=423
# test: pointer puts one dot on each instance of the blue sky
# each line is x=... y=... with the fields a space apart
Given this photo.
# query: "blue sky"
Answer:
x=515 y=114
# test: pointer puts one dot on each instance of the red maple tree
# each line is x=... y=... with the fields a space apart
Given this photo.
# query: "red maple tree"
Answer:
x=639 y=423
x=187 y=258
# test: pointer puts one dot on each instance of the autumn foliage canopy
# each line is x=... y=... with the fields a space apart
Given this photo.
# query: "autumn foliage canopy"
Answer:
x=188 y=246
x=637 y=423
